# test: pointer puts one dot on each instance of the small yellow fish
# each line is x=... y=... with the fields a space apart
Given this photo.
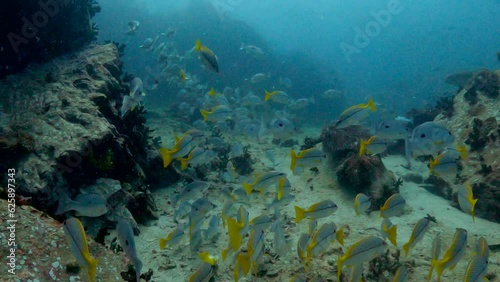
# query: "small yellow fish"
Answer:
x=73 y=229
x=318 y=210
x=454 y=253
x=182 y=147
x=393 y=206
x=354 y=114
x=417 y=234
x=207 y=56
x=362 y=251
x=372 y=146
x=476 y=270
x=466 y=200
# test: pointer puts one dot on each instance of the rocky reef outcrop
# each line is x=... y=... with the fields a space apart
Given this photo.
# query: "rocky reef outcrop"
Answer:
x=61 y=131
x=475 y=121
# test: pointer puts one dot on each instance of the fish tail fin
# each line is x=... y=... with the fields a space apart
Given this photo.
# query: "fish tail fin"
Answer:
x=184 y=163
x=300 y=214
x=248 y=188
x=234 y=233
x=293 y=163
x=197 y=46
x=166 y=155
x=268 y=95
x=362 y=147
x=163 y=243
x=463 y=151
x=244 y=262
x=211 y=93
x=223 y=253
x=393 y=233
x=473 y=204
x=406 y=248
x=92 y=267
x=432 y=164
x=205 y=114
x=65 y=203
x=371 y=105
x=439 y=268
x=340 y=236
x=281 y=184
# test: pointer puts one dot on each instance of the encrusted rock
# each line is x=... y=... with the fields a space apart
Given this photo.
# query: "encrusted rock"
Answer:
x=368 y=175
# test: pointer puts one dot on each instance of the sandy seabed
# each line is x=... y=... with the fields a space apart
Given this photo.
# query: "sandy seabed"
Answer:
x=308 y=188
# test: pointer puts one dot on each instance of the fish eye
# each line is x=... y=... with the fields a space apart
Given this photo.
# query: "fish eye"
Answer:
x=423 y=135
x=126 y=242
x=280 y=124
x=386 y=126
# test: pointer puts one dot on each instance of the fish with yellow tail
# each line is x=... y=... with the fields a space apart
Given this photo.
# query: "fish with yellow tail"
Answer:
x=308 y=158
x=173 y=238
x=466 y=200
x=444 y=165
x=454 y=253
x=183 y=145
x=361 y=203
x=388 y=230
x=354 y=114
x=207 y=56
x=321 y=240
x=393 y=206
x=73 y=229
x=263 y=181
x=217 y=113
x=435 y=253
x=374 y=145
x=319 y=210
x=417 y=234
x=208 y=258
x=277 y=96
x=362 y=251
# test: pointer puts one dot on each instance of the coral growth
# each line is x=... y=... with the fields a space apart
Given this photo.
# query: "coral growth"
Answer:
x=386 y=263
x=483 y=131
x=367 y=174
x=340 y=143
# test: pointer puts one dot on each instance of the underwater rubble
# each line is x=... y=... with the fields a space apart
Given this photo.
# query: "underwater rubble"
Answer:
x=477 y=107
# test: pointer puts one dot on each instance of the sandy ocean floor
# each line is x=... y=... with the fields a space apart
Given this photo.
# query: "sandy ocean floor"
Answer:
x=177 y=264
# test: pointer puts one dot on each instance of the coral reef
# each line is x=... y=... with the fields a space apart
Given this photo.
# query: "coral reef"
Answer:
x=32 y=30
x=367 y=174
x=475 y=122
x=340 y=143
x=63 y=135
